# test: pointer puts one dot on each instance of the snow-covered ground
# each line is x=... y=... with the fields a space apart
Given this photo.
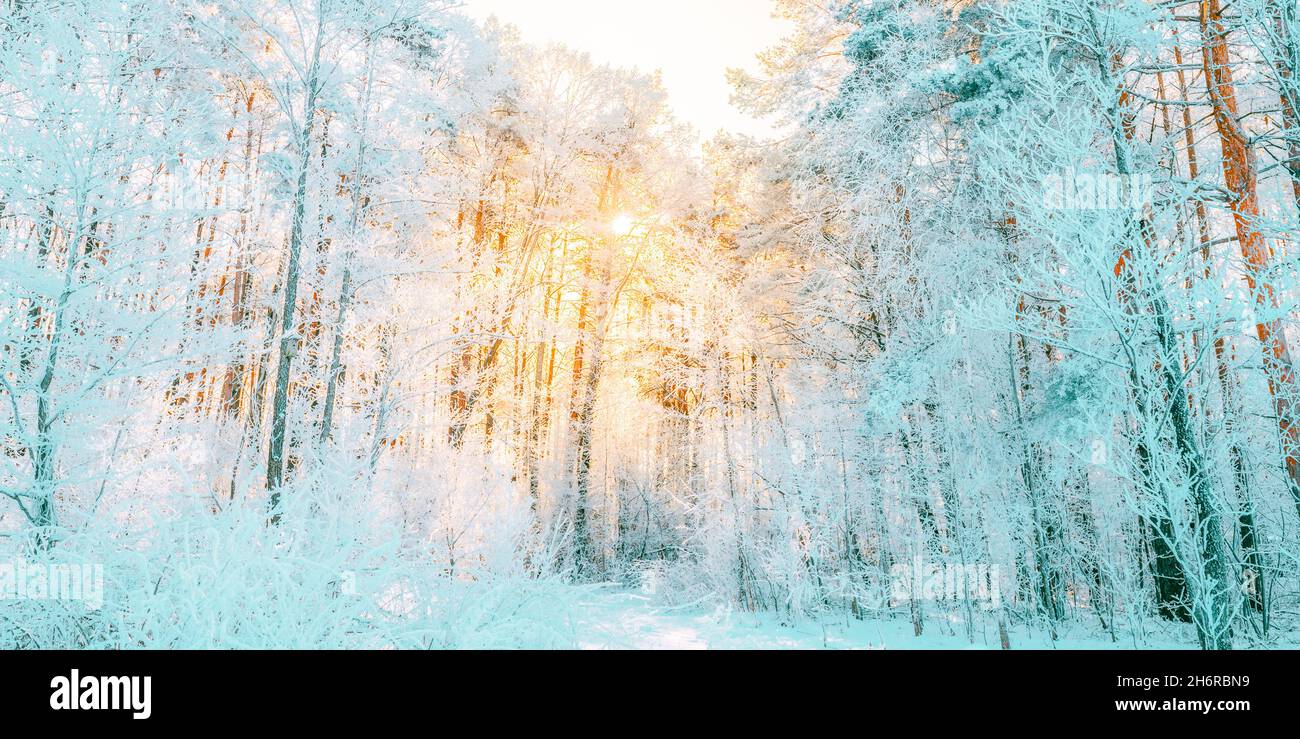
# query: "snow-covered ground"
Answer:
x=622 y=619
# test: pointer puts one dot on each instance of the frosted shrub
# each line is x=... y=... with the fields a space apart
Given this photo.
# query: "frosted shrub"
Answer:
x=230 y=580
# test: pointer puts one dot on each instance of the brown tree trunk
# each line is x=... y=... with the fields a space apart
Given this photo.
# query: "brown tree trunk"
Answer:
x=1285 y=60
x=1240 y=175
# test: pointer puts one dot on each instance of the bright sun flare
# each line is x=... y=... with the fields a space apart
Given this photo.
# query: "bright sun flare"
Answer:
x=622 y=225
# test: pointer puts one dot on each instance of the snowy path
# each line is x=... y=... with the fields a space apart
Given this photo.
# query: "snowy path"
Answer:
x=622 y=619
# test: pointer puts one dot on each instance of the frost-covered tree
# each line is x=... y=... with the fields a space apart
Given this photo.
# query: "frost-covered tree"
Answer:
x=358 y=323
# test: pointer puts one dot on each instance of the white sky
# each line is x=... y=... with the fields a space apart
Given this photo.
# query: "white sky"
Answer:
x=692 y=42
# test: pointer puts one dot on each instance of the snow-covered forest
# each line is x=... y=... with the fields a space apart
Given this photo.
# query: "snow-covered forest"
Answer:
x=360 y=323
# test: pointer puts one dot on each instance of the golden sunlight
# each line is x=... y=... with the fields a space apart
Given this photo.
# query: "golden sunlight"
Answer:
x=622 y=225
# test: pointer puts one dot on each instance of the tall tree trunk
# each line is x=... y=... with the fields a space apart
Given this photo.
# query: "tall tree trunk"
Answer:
x=45 y=231
x=44 y=449
x=1286 y=61
x=359 y=202
x=1240 y=174
x=1222 y=369
x=593 y=313
x=1050 y=598
x=1212 y=592
x=234 y=384
x=539 y=413
x=288 y=332
x=583 y=417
